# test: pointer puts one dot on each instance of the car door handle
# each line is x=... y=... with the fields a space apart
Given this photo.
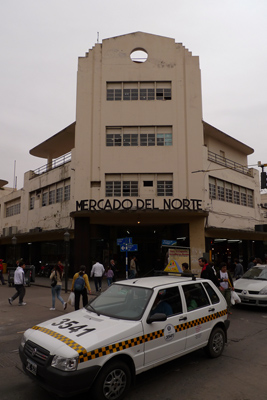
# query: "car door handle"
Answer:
x=211 y=309
x=183 y=319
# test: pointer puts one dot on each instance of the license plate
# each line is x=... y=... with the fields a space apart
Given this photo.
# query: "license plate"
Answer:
x=31 y=367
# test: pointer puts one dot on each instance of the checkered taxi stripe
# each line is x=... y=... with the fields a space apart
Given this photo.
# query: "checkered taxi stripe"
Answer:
x=114 y=348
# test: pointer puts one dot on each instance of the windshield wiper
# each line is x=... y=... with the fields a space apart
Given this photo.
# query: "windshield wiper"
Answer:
x=93 y=309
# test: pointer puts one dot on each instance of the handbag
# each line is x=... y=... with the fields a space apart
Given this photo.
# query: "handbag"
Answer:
x=71 y=299
x=235 y=298
x=54 y=282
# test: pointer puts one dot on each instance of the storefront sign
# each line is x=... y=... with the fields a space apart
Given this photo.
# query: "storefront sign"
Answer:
x=138 y=204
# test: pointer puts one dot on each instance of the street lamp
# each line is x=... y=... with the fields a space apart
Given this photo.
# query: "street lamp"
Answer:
x=14 y=243
x=67 y=248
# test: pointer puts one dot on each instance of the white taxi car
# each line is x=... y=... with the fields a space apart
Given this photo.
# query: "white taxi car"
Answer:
x=133 y=326
x=252 y=287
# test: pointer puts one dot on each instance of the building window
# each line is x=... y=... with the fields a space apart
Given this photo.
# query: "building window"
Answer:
x=59 y=196
x=128 y=91
x=52 y=197
x=32 y=200
x=13 y=210
x=212 y=188
x=148 y=183
x=113 y=137
x=147 y=139
x=67 y=193
x=236 y=195
x=164 y=188
x=130 y=189
x=139 y=136
x=113 y=189
x=226 y=191
x=130 y=139
x=250 y=198
x=45 y=199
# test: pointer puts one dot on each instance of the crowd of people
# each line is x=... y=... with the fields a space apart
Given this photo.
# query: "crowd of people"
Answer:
x=222 y=277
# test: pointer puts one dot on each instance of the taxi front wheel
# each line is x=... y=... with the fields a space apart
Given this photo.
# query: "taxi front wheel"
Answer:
x=113 y=381
x=216 y=343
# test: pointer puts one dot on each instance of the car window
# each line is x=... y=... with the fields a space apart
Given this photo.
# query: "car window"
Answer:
x=211 y=293
x=195 y=296
x=168 y=301
x=256 y=273
x=122 y=301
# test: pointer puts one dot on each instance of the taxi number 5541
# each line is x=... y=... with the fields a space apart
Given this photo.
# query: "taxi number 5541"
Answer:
x=72 y=326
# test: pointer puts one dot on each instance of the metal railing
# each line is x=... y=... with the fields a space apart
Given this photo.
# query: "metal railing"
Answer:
x=218 y=159
x=57 y=162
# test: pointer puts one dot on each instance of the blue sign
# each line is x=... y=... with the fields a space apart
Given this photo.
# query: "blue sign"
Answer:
x=169 y=243
x=127 y=240
x=130 y=247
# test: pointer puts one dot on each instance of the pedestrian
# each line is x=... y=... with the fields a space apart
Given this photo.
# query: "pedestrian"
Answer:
x=19 y=282
x=207 y=272
x=61 y=266
x=80 y=284
x=114 y=269
x=133 y=268
x=1 y=272
x=110 y=275
x=56 y=285
x=186 y=270
x=97 y=272
x=252 y=262
x=226 y=284
x=239 y=270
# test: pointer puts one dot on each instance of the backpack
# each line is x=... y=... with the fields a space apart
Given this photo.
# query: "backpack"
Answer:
x=79 y=283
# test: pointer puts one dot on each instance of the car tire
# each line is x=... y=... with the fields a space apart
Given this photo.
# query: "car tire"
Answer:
x=216 y=343
x=113 y=381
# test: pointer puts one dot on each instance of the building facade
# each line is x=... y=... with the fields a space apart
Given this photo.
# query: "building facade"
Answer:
x=139 y=162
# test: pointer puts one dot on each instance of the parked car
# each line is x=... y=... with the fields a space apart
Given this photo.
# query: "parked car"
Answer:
x=252 y=287
x=133 y=326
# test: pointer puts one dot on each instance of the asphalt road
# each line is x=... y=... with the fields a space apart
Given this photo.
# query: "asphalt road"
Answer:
x=239 y=374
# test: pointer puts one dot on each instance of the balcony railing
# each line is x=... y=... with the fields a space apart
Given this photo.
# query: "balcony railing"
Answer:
x=57 y=162
x=229 y=163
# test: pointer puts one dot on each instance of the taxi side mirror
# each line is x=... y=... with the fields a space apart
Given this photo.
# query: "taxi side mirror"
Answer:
x=158 y=317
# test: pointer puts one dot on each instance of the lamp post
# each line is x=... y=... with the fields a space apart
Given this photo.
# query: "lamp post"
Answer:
x=67 y=243
x=14 y=243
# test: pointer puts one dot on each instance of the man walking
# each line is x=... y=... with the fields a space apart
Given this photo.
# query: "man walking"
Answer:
x=97 y=272
x=19 y=282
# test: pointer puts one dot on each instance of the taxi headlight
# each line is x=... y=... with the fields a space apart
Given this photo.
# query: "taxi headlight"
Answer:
x=263 y=291
x=23 y=341
x=65 y=364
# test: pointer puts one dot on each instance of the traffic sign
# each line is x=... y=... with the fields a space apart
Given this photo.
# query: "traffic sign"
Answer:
x=130 y=247
x=169 y=243
x=127 y=240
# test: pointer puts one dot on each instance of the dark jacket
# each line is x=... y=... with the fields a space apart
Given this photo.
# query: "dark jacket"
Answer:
x=208 y=273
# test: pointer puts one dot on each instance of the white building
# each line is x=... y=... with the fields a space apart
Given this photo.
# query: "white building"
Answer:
x=139 y=161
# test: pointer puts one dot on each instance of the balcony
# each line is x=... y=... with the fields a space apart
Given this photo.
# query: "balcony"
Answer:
x=216 y=158
x=57 y=162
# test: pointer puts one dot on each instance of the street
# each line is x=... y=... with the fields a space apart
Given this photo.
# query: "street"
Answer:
x=240 y=374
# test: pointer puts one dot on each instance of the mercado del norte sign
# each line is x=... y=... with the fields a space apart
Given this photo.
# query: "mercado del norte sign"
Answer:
x=138 y=204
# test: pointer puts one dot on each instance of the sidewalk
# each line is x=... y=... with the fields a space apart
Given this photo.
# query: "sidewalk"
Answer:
x=46 y=282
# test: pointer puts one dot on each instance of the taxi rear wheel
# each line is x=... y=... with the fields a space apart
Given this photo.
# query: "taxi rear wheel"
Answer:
x=113 y=381
x=216 y=343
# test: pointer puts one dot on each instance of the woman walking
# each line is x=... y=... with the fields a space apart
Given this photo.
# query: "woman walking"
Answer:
x=56 y=285
x=80 y=284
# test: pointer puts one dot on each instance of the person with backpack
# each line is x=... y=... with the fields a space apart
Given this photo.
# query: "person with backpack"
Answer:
x=80 y=284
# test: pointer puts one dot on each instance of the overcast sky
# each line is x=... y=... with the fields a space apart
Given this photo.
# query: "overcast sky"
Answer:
x=41 y=41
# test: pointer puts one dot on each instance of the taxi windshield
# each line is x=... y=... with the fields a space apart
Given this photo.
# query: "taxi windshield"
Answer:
x=259 y=273
x=121 y=301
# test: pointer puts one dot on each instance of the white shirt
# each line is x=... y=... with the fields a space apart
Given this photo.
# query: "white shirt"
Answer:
x=224 y=275
x=19 y=277
x=97 y=270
